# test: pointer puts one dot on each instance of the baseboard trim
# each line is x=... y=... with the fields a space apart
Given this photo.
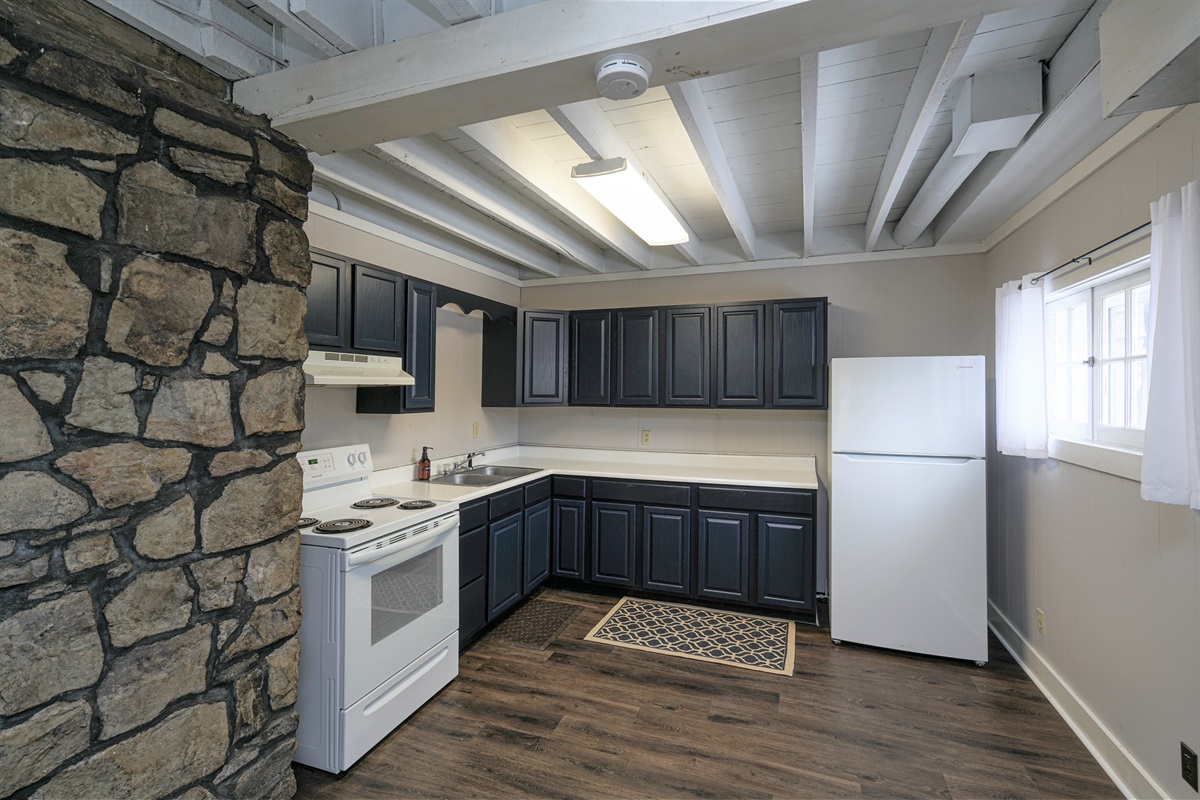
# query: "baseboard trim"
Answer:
x=1113 y=757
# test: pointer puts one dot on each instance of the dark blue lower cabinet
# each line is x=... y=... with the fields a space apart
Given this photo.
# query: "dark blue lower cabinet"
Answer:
x=614 y=534
x=472 y=609
x=569 y=518
x=537 y=545
x=666 y=550
x=786 y=568
x=723 y=556
x=505 y=555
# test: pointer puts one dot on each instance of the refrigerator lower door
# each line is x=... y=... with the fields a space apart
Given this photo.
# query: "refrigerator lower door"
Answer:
x=908 y=554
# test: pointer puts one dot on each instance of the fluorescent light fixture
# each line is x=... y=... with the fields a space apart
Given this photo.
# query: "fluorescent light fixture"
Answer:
x=627 y=195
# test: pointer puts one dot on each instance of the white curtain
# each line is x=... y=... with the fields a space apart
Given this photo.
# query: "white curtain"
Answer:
x=1021 y=369
x=1171 y=450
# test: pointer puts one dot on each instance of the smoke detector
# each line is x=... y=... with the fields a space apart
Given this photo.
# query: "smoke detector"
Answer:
x=622 y=76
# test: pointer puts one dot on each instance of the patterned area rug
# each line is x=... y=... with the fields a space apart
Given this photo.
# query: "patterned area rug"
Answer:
x=536 y=624
x=722 y=637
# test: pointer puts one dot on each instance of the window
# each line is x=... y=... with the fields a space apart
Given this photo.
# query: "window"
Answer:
x=1097 y=342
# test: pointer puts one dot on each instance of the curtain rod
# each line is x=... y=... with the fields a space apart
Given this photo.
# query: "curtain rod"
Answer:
x=1087 y=255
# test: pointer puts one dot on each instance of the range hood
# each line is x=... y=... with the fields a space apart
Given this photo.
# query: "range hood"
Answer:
x=331 y=368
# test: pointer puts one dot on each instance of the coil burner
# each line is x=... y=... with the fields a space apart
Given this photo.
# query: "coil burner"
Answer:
x=342 y=526
x=375 y=502
x=307 y=522
x=414 y=505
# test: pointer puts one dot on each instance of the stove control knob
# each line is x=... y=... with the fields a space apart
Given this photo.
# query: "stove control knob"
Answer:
x=362 y=458
x=350 y=460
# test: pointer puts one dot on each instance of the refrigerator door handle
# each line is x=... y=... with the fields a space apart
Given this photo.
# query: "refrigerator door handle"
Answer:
x=907 y=459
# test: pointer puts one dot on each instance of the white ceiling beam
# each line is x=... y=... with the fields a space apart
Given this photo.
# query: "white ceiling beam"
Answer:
x=587 y=124
x=809 y=66
x=939 y=63
x=693 y=112
x=432 y=160
x=1070 y=128
x=368 y=176
x=544 y=54
x=279 y=11
x=505 y=145
x=456 y=11
x=348 y=24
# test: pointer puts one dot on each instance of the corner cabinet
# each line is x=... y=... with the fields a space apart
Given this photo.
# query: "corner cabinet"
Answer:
x=525 y=364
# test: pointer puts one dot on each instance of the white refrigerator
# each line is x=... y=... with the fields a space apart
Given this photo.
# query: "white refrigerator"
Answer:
x=907 y=528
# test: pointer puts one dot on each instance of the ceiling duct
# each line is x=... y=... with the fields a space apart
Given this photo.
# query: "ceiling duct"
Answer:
x=994 y=112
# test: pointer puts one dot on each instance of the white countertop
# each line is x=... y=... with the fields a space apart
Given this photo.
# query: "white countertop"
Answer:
x=784 y=472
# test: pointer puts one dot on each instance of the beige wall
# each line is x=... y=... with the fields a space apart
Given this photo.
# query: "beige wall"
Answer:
x=397 y=439
x=1117 y=578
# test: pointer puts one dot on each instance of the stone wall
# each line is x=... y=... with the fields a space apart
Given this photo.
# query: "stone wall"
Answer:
x=152 y=278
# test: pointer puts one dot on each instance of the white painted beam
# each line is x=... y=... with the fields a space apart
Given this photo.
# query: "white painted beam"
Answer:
x=943 y=54
x=589 y=126
x=502 y=142
x=279 y=11
x=348 y=24
x=544 y=54
x=457 y=11
x=432 y=160
x=693 y=111
x=809 y=66
x=368 y=176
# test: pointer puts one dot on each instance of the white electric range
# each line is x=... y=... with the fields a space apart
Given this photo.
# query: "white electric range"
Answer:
x=379 y=591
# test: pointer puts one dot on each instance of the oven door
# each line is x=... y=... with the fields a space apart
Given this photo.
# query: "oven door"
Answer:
x=399 y=604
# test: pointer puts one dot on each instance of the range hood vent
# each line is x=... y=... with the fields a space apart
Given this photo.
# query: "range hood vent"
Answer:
x=330 y=368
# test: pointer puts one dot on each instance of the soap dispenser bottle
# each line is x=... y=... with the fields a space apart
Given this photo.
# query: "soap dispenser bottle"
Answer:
x=423 y=465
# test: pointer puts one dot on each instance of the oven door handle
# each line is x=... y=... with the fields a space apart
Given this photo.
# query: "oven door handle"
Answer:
x=356 y=559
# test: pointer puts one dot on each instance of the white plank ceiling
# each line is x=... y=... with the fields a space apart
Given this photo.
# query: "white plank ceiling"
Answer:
x=726 y=150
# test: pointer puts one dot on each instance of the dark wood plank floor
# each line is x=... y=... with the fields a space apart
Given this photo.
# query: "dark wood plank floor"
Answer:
x=582 y=720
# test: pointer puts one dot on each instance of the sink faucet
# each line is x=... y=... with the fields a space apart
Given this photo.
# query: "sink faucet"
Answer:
x=468 y=462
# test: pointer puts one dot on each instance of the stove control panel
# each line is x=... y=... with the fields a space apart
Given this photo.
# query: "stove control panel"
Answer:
x=334 y=465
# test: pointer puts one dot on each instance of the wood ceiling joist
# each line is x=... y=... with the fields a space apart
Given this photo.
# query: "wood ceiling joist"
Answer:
x=943 y=54
x=363 y=173
x=502 y=142
x=692 y=107
x=587 y=124
x=525 y=59
x=809 y=71
x=432 y=160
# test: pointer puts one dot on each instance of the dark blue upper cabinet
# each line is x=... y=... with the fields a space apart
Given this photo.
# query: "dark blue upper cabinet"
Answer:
x=687 y=356
x=328 y=320
x=544 y=357
x=420 y=352
x=798 y=372
x=378 y=310
x=590 y=358
x=741 y=341
x=637 y=357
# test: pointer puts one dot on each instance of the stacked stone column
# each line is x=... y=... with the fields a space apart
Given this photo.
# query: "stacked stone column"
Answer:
x=152 y=279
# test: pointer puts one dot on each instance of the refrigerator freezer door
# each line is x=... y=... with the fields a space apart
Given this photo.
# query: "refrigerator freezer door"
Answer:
x=908 y=560
x=919 y=406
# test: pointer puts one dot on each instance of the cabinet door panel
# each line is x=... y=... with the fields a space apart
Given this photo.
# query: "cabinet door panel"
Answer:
x=378 y=309
x=569 y=518
x=614 y=531
x=472 y=609
x=722 y=566
x=537 y=546
x=504 y=564
x=798 y=360
x=421 y=344
x=472 y=555
x=544 y=353
x=327 y=322
x=637 y=357
x=666 y=550
x=687 y=371
x=741 y=340
x=591 y=358
x=786 y=562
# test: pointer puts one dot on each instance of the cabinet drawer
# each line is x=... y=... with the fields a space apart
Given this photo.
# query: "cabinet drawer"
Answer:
x=570 y=487
x=472 y=515
x=506 y=502
x=769 y=500
x=662 y=494
x=472 y=555
x=537 y=491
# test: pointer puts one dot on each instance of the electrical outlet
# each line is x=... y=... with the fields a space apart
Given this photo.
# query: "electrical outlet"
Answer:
x=645 y=437
x=1187 y=765
x=1041 y=622
x=474 y=430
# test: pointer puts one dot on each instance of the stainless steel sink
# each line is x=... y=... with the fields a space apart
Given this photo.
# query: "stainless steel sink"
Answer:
x=484 y=476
